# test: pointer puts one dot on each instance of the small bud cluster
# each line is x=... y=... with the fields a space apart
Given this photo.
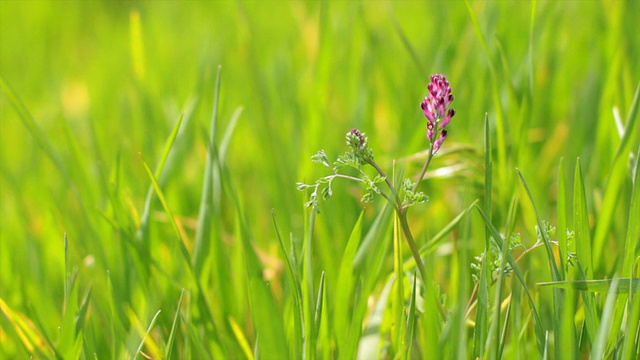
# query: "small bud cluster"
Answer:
x=437 y=110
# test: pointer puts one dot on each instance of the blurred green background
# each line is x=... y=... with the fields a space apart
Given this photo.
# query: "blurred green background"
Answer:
x=106 y=82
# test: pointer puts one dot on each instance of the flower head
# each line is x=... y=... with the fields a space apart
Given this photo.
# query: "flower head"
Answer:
x=437 y=110
x=356 y=139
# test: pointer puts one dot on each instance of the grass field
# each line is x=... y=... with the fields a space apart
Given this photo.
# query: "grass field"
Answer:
x=150 y=151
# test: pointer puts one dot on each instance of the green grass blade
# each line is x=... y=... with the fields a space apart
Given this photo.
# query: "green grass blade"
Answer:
x=412 y=319
x=625 y=286
x=583 y=248
x=143 y=230
x=600 y=344
x=481 y=332
x=226 y=139
x=319 y=307
x=370 y=255
x=32 y=126
x=537 y=324
x=632 y=118
x=631 y=343
x=172 y=219
x=206 y=211
x=146 y=334
x=555 y=274
x=270 y=337
x=369 y=345
x=435 y=240
x=500 y=127
x=397 y=302
x=244 y=344
x=168 y=352
x=344 y=291
x=298 y=318
x=633 y=227
x=407 y=45
x=562 y=220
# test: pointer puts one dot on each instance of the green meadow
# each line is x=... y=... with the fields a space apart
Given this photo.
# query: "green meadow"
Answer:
x=151 y=155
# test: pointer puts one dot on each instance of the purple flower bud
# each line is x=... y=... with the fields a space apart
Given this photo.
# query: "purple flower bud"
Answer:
x=356 y=139
x=436 y=146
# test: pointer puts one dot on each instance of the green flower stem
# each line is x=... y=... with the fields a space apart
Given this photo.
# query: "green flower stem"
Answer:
x=424 y=167
x=402 y=215
x=401 y=211
x=398 y=203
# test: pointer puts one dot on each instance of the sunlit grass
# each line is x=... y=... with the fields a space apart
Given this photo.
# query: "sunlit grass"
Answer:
x=149 y=155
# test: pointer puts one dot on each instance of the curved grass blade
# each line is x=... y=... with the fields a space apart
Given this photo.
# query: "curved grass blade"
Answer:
x=617 y=176
x=412 y=319
x=143 y=229
x=631 y=122
x=318 y=312
x=297 y=290
x=626 y=285
x=172 y=219
x=555 y=274
x=205 y=213
x=600 y=344
x=244 y=345
x=583 y=249
x=29 y=336
x=152 y=345
x=435 y=240
x=174 y=327
x=343 y=319
x=633 y=226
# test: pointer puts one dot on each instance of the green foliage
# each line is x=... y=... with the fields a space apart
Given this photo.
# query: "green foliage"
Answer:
x=149 y=155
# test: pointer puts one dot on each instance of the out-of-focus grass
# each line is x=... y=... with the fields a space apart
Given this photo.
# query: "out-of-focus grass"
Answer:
x=103 y=84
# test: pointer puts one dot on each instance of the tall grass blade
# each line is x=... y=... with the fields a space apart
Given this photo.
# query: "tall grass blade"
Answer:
x=433 y=243
x=270 y=337
x=537 y=323
x=181 y=240
x=633 y=226
x=344 y=292
x=153 y=347
x=626 y=285
x=583 y=249
x=244 y=344
x=412 y=319
x=368 y=347
x=206 y=211
x=168 y=351
x=142 y=233
x=481 y=332
x=555 y=274
x=631 y=340
x=25 y=332
x=318 y=312
x=562 y=220
x=500 y=126
x=397 y=304
x=632 y=119
x=298 y=318
x=600 y=344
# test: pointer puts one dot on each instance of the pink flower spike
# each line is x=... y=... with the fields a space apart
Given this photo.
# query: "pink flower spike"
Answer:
x=436 y=107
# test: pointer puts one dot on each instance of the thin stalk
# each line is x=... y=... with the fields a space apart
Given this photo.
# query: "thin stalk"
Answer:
x=402 y=215
x=425 y=166
x=398 y=204
x=401 y=212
